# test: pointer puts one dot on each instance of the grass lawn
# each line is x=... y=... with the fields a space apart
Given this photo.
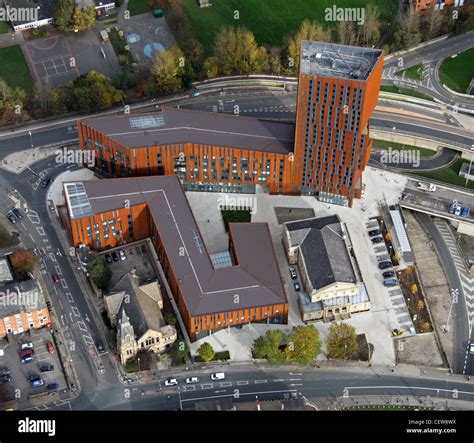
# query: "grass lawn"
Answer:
x=119 y=43
x=383 y=144
x=449 y=174
x=235 y=216
x=6 y=240
x=139 y=6
x=456 y=73
x=3 y=27
x=405 y=91
x=415 y=72
x=270 y=21
x=13 y=68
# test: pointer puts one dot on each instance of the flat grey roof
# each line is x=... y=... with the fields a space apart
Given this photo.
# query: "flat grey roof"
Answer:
x=45 y=9
x=5 y=272
x=254 y=281
x=172 y=126
x=332 y=60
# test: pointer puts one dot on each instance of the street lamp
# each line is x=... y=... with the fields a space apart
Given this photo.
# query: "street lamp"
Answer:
x=31 y=139
x=470 y=166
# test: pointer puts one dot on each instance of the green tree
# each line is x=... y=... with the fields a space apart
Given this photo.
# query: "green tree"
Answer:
x=170 y=319
x=342 y=341
x=64 y=15
x=12 y=104
x=308 y=31
x=23 y=261
x=168 y=69
x=84 y=18
x=371 y=26
x=408 y=33
x=303 y=344
x=206 y=352
x=99 y=272
x=432 y=22
x=268 y=346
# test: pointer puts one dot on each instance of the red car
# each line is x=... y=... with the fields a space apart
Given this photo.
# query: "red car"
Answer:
x=50 y=347
x=55 y=278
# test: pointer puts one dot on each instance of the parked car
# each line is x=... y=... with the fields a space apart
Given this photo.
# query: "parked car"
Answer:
x=50 y=347
x=471 y=348
x=27 y=359
x=4 y=370
x=297 y=286
x=48 y=367
x=171 y=382
x=55 y=278
x=464 y=212
x=377 y=240
x=218 y=376
x=26 y=352
x=18 y=213
x=388 y=274
x=390 y=282
x=100 y=346
x=192 y=380
x=36 y=381
x=385 y=264
x=45 y=182
x=293 y=273
x=5 y=378
x=50 y=306
x=52 y=386
x=451 y=208
x=10 y=217
x=457 y=210
x=115 y=256
x=122 y=255
x=26 y=345
x=108 y=258
x=374 y=232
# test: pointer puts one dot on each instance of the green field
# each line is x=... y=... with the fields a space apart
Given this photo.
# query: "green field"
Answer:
x=270 y=21
x=405 y=91
x=415 y=72
x=3 y=27
x=449 y=174
x=139 y=6
x=13 y=68
x=383 y=144
x=456 y=73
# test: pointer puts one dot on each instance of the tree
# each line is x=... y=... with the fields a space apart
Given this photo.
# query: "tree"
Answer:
x=206 y=352
x=414 y=289
x=408 y=33
x=268 y=346
x=167 y=70
x=371 y=26
x=12 y=104
x=84 y=18
x=388 y=236
x=432 y=22
x=236 y=52
x=341 y=341
x=303 y=344
x=47 y=100
x=308 y=31
x=346 y=34
x=63 y=17
x=93 y=92
x=23 y=261
x=170 y=319
x=99 y=272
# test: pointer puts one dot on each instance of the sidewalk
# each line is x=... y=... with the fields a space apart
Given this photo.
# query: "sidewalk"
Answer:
x=11 y=39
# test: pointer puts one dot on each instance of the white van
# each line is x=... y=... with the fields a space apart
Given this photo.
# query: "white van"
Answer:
x=218 y=376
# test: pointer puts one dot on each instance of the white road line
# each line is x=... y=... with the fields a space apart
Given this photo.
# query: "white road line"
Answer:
x=69 y=297
x=226 y=384
x=241 y=383
x=409 y=387
x=64 y=284
x=241 y=394
x=82 y=326
x=58 y=270
x=75 y=311
x=207 y=386
x=261 y=381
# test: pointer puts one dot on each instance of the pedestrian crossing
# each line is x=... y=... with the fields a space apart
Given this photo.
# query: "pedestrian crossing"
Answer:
x=467 y=280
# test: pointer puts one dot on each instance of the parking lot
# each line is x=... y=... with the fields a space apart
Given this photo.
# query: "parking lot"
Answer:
x=20 y=373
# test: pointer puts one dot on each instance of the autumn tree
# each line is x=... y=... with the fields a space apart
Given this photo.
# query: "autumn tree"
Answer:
x=47 y=100
x=408 y=33
x=303 y=344
x=269 y=346
x=370 y=30
x=167 y=69
x=71 y=17
x=12 y=104
x=432 y=22
x=346 y=33
x=236 y=52
x=341 y=341
x=23 y=262
x=206 y=352
x=308 y=31
x=414 y=289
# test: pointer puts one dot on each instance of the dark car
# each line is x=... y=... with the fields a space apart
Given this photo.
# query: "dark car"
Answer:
x=52 y=386
x=10 y=217
x=26 y=356
x=36 y=381
x=296 y=286
x=100 y=346
x=47 y=367
x=385 y=264
x=45 y=182
x=390 y=282
x=108 y=258
x=5 y=378
x=377 y=240
x=4 y=370
x=115 y=256
x=18 y=213
x=388 y=274
x=374 y=232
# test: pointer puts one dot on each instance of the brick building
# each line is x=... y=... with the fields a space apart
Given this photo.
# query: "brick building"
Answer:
x=323 y=155
x=423 y=5
x=111 y=212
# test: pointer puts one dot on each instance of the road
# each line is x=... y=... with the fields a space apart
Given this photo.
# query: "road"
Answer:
x=431 y=57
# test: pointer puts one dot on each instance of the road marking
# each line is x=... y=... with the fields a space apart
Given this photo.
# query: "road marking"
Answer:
x=52 y=257
x=88 y=340
x=207 y=385
x=240 y=394
x=40 y=231
x=64 y=284
x=245 y=382
x=82 y=326
x=261 y=381
x=226 y=384
x=296 y=384
x=69 y=297
x=75 y=311
x=409 y=387
x=58 y=270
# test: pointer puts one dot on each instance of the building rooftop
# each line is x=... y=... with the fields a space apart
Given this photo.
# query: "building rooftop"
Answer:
x=172 y=126
x=332 y=60
x=256 y=278
x=323 y=249
x=5 y=271
x=45 y=10
x=24 y=296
